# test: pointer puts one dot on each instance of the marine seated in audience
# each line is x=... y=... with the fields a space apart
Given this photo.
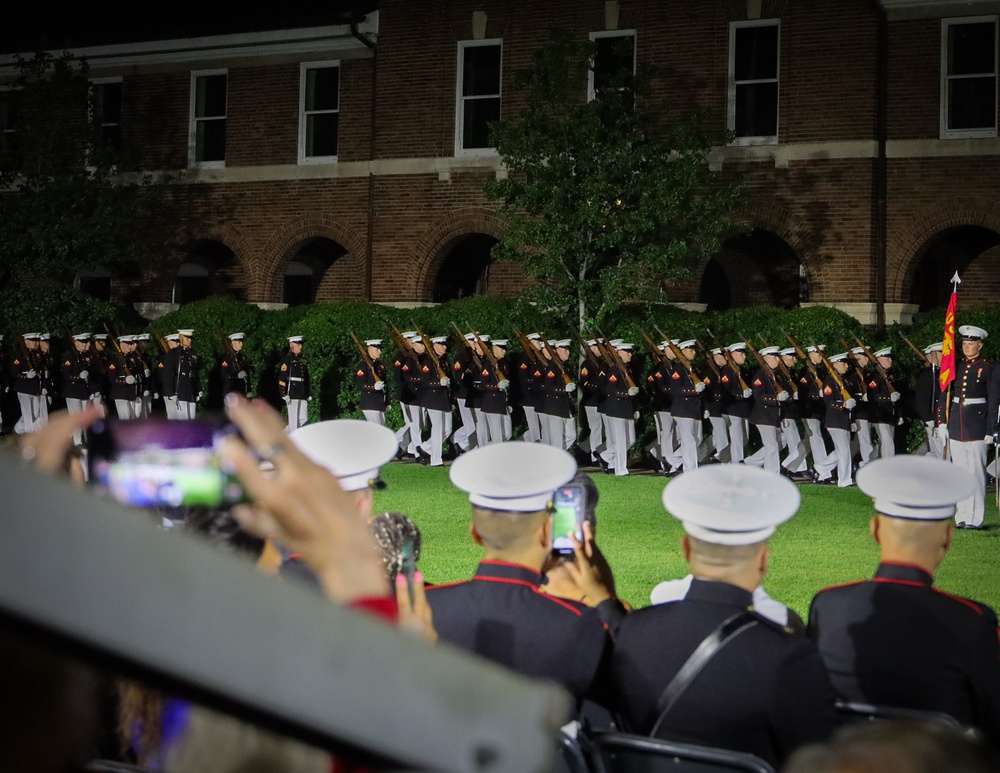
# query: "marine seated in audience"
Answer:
x=765 y=692
x=500 y=613
x=896 y=640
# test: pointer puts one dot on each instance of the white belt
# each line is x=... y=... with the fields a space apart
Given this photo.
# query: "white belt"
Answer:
x=295 y=378
x=970 y=400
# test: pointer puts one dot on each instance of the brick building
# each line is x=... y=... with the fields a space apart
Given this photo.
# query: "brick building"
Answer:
x=344 y=156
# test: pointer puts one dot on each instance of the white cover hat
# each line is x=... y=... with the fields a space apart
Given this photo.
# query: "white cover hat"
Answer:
x=237 y=336
x=769 y=350
x=295 y=339
x=886 y=352
x=352 y=450
x=972 y=333
x=939 y=346
x=788 y=351
x=916 y=488
x=731 y=504
x=513 y=476
x=187 y=332
x=377 y=342
x=739 y=346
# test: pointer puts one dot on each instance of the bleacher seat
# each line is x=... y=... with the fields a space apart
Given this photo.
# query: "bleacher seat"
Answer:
x=625 y=753
x=849 y=712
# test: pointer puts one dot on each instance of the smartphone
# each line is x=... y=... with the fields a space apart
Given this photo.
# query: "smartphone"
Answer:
x=159 y=463
x=570 y=504
x=408 y=565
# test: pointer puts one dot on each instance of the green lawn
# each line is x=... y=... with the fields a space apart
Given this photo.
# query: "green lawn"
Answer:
x=826 y=543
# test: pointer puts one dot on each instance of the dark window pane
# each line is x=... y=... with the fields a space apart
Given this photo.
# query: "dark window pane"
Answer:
x=478 y=114
x=971 y=49
x=108 y=103
x=321 y=134
x=211 y=141
x=190 y=288
x=972 y=103
x=298 y=290
x=614 y=60
x=112 y=136
x=481 y=70
x=323 y=88
x=757 y=110
x=210 y=96
x=97 y=287
x=756 y=53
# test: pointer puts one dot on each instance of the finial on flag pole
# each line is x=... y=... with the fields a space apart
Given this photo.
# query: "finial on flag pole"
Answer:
x=955 y=282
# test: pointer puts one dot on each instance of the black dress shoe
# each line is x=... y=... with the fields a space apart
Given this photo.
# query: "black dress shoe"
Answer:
x=423 y=457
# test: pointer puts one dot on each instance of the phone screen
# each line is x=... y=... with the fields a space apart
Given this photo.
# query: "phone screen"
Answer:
x=408 y=565
x=160 y=463
x=569 y=503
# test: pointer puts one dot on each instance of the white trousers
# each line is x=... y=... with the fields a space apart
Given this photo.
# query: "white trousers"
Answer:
x=465 y=435
x=76 y=405
x=664 y=448
x=410 y=435
x=687 y=438
x=971 y=456
x=375 y=417
x=935 y=445
x=738 y=429
x=796 y=458
x=842 y=453
x=128 y=409
x=593 y=444
x=440 y=430
x=768 y=455
x=886 y=440
x=490 y=427
x=298 y=413
x=866 y=448
x=823 y=460
x=720 y=437
x=32 y=415
x=620 y=437
x=557 y=431
x=533 y=434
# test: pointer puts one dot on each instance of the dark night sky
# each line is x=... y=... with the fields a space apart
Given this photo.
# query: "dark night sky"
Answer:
x=35 y=25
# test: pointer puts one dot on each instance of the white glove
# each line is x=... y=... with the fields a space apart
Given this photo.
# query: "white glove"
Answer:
x=445 y=381
x=198 y=398
x=308 y=399
x=145 y=393
x=895 y=397
x=747 y=393
x=699 y=387
x=850 y=404
x=632 y=392
x=242 y=375
x=130 y=379
x=379 y=386
x=929 y=424
x=991 y=439
x=864 y=397
x=84 y=374
x=705 y=414
x=287 y=399
x=146 y=373
x=782 y=396
x=504 y=385
x=96 y=396
x=571 y=387
x=795 y=395
x=31 y=374
x=45 y=392
x=636 y=416
x=941 y=430
x=156 y=395
x=854 y=427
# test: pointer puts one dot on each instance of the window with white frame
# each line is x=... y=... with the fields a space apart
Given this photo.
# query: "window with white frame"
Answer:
x=753 y=81
x=106 y=110
x=478 y=95
x=319 y=112
x=207 y=143
x=10 y=100
x=969 y=77
x=614 y=60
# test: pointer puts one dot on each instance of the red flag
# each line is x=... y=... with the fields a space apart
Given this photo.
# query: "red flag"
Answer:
x=948 y=350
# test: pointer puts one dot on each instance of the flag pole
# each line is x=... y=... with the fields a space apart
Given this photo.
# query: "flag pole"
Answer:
x=948 y=360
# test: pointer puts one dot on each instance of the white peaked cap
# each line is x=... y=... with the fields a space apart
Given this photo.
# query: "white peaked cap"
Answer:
x=858 y=350
x=770 y=350
x=838 y=357
x=373 y=342
x=938 y=347
x=295 y=339
x=513 y=476
x=788 y=351
x=237 y=336
x=501 y=342
x=916 y=488
x=352 y=450
x=689 y=344
x=731 y=504
x=171 y=337
x=817 y=348
x=739 y=346
x=973 y=333
x=887 y=352
x=186 y=332
x=82 y=337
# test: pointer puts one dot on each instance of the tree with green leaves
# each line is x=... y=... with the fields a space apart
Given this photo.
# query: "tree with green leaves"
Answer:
x=66 y=202
x=606 y=200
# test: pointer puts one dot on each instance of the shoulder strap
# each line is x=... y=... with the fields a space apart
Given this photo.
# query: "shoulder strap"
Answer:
x=709 y=647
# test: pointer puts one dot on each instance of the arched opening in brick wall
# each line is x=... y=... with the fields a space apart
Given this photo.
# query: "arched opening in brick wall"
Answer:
x=754 y=269
x=308 y=270
x=972 y=251
x=95 y=282
x=209 y=268
x=466 y=268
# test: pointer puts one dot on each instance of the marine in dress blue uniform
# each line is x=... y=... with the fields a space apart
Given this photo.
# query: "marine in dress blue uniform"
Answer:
x=896 y=640
x=500 y=613
x=927 y=397
x=765 y=415
x=737 y=409
x=766 y=691
x=370 y=381
x=293 y=383
x=235 y=368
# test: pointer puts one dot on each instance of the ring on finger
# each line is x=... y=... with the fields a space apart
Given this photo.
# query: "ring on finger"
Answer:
x=270 y=452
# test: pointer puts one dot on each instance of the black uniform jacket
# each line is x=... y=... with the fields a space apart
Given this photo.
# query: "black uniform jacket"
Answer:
x=555 y=399
x=372 y=399
x=927 y=393
x=73 y=385
x=766 y=408
x=184 y=374
x=975 y=414
x=433 y=396
x=659 y=382
x=766 y=692
x=501 y=615
x=615 y=401
x=897 y=641
x=486 y=394
x=685 y=402
x=120 y=367
x=738 y=406
x=23 y=363
x=837 y=416
x=165 y=372
x=293 y=377
x=881 y=408
x=233 y=363
x=589 y=391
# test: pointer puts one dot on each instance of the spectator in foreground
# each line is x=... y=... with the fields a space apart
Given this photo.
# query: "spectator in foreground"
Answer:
x=766 y=691
x=896 y=640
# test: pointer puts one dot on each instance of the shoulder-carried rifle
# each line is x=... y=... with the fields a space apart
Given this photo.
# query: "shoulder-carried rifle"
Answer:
x=679 y=356
x=729 y=360
x=768 y=370
x=802 y=355
x=877 y=365
x=916 y=350
x=785 y=370
x=365 y=357
x=844 y=393
x=555 y=361
x=530 y=351
x=488 y=352
x=429 y=347
x=462 y=341
x=613 y=358
x=118 y=350
x=709 y=358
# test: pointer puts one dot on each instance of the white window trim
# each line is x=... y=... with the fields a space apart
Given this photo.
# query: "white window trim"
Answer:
x=946 y=133
x=462 y=45
x=610 y=34
x=192 y=122
x=731 y=80
x=304 y=67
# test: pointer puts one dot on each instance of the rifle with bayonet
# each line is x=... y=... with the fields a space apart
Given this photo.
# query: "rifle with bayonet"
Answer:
x=710 y=359
x=768 y=370
x=919 y=352
x=365 y=357
x=679 y=356
x=614 y=360
x=556 y=362
x=730 y=361
x=853 y=358
x=802 y=355
x=877 y=365
x=530 y=350
x=844 y=393
x=785 y=370
x=654 y=350
x=464 y=343
x=430 y=350
x=488 y=352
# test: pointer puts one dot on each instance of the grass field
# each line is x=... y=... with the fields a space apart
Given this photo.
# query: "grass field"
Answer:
x=827 y=542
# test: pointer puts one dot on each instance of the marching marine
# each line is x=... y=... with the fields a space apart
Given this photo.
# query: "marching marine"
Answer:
x=293 y=383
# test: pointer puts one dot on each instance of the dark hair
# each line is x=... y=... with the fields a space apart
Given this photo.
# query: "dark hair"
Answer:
x=391 y=531
x=222 y=530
